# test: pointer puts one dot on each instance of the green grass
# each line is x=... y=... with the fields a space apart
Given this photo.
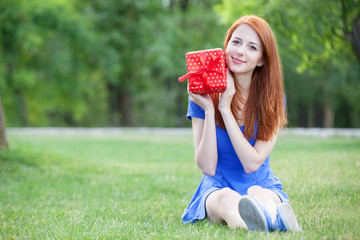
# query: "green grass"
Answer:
x=136 y=186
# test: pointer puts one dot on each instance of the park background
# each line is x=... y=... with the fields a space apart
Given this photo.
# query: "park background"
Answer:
x=99 y=146
x=116 y=63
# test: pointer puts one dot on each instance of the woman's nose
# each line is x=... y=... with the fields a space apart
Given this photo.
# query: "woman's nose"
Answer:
x=240 y=51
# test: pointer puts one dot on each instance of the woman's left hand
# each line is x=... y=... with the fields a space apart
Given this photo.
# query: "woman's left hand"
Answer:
x=227 y=96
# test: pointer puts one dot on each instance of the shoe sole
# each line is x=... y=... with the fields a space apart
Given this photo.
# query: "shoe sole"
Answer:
x=288 y=217
x=252 y=214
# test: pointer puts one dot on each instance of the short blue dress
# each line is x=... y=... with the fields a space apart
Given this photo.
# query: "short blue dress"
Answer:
x=229 y=173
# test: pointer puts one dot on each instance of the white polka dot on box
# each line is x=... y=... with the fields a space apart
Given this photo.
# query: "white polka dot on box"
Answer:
x=206 y=71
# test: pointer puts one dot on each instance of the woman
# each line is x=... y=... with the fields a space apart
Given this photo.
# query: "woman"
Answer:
x=234 y=133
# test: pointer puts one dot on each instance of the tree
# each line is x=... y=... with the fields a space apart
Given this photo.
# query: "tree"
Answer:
x=47 y=57
x=144 y=45
x=350 y=14
x=121 y=30
x=3 y=138
x=183 y=26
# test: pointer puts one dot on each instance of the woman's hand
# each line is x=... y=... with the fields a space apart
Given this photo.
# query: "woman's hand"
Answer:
x=203 y=101
x=227 y=96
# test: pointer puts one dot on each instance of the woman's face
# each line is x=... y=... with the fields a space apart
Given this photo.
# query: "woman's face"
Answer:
x=244 y=50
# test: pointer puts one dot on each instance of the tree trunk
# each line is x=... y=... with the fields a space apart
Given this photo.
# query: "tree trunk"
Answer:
x=355 y=37
x=3 y=139
x=126 y=107
x=184 y=4
x=329 y=114
x=22 y=108
x=352 y=36
x=310 y=116
x=120 y=102
x=113 y=102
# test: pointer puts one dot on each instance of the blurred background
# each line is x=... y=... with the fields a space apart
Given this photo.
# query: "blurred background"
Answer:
x=97 y=63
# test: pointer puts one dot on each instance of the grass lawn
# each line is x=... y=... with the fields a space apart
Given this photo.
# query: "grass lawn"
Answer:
x=136 y=186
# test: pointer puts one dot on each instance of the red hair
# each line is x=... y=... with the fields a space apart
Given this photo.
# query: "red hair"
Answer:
x=265 y=102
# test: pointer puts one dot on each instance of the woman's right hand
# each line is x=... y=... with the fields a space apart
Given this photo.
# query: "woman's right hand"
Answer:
x=203 y=100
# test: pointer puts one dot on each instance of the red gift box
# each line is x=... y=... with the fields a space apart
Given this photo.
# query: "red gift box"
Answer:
x=206 y=71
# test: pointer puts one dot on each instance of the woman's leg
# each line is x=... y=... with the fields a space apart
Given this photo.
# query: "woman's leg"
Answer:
x=222 y=206
x=282 y=215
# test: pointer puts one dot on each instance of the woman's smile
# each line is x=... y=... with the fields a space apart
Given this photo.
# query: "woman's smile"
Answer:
x=237 y=60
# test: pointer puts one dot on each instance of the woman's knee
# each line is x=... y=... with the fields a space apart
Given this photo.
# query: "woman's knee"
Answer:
x=228 y=197
x=254 y=190
x=221 y=197
x=227 y=191
x=263 y=194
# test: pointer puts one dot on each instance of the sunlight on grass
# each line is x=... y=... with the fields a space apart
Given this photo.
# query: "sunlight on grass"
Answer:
x=135 y=186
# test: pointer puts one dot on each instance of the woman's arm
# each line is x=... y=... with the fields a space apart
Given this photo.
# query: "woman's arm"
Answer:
x=204 y=132
x=250 y=157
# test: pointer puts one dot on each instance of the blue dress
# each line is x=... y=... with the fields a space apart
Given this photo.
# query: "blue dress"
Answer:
x=229 y=173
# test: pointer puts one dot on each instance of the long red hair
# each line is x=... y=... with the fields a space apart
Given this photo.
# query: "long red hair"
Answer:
x=265 y=102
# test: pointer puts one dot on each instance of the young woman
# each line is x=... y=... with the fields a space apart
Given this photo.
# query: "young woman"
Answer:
x=234 y=133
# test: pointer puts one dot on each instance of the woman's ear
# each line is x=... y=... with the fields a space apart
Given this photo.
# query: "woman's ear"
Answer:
x=260 y=63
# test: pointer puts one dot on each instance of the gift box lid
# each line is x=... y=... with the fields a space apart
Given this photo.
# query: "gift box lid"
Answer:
x=206 y=50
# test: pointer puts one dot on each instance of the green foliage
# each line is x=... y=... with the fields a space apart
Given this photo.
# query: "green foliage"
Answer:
x=81 y=187
x=101 y=63
x=179 y=31
x=46 y=74
x=318 y=57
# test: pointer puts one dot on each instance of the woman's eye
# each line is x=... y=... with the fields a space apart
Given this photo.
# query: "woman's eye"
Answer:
x=236 y=42
x=253 y=47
